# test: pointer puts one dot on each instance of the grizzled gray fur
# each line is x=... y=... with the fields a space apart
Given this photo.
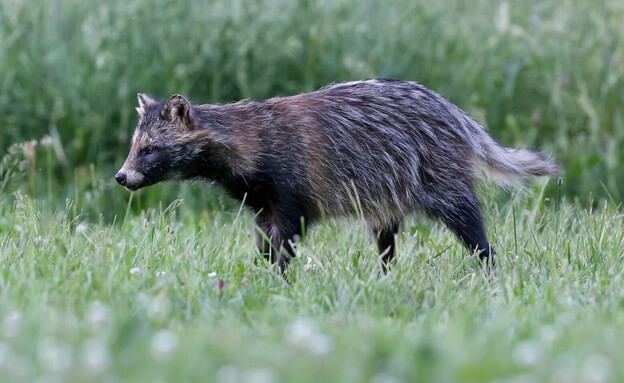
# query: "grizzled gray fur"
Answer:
x=394 y=147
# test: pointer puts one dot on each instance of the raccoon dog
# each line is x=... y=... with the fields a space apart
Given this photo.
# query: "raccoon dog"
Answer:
x=394 y=147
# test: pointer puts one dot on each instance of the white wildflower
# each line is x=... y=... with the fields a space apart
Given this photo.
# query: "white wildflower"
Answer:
x=549 y=334
x=304 y=333
x=596 y=369
x=54 y=355
x=81 y=228
x=163 y=345
x=97 y=317
x=527 y=353
x=46 y=141
x=95 y=357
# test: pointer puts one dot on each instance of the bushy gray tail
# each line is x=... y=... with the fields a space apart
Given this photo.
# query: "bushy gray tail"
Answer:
x=512 y=167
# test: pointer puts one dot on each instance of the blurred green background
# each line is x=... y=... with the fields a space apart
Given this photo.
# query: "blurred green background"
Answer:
x=540 y=74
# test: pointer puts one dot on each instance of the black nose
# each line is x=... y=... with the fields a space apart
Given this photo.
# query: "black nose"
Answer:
x=121 y=178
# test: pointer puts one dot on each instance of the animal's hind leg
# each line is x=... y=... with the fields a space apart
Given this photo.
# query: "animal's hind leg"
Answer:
x=464 y=220
x=385 y=235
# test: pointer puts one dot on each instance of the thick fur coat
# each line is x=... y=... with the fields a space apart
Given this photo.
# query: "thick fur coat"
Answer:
x=386 y=147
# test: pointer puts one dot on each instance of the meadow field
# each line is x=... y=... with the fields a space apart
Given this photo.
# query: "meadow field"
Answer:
x=165 y=284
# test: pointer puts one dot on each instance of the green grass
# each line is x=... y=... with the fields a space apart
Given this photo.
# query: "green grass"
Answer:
x=545 y=74
x=139 y=300
x=98 y=285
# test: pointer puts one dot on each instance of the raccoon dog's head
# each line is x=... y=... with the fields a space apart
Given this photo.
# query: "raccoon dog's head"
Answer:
x=159 y=149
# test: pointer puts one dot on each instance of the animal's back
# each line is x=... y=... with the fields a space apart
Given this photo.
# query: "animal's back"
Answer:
x=391 y=146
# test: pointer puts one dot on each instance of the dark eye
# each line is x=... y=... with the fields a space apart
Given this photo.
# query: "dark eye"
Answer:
x=150 y=150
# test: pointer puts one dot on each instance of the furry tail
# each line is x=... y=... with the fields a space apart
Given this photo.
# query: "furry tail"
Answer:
x=513 y=167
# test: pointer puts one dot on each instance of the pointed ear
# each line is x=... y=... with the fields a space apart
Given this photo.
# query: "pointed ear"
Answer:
x=146 y=103
x=177 y=110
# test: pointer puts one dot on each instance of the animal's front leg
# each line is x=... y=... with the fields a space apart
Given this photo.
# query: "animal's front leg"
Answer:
x=263 y=233
x=385 y=235
x=274 y=235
